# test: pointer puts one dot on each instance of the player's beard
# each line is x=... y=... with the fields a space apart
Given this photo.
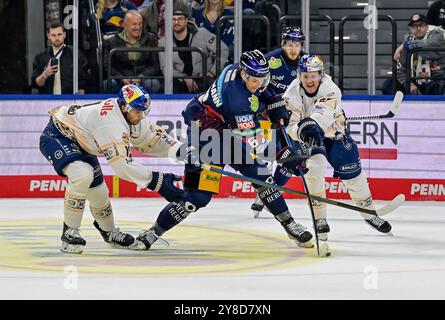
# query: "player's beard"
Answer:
x=131 y=122
x=293 y=56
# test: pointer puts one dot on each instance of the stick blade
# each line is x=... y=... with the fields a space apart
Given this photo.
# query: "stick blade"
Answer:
x=396 y=102
x=391 y=206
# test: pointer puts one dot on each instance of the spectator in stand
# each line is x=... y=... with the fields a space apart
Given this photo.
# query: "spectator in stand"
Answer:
x=208 y=17
x=133 y=64
x=423 y=65
x=53 y=68
x=196 y=3
x=111 y=15
x=153 y=15
x=187 y=34
x=248 y=5
x=436 y=14
x=140 y=4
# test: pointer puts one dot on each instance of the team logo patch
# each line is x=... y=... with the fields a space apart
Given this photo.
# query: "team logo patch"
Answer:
x=347 y=145
x=245 y=121
x=58 y=154
x=254 y=104
x=274 y=63
x=110 y=152
x=349 y=167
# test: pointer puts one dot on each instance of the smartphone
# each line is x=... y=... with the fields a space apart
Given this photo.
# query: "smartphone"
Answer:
x=54 y=62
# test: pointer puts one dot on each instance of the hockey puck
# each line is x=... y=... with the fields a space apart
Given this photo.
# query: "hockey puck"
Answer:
x=324 y=250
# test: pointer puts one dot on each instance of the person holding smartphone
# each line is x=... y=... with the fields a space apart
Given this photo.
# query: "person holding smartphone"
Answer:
x=53 y=68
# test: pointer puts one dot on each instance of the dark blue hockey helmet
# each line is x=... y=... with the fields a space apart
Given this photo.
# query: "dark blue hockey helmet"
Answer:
x=292 y=34
x=254 y=64
x=134 y=96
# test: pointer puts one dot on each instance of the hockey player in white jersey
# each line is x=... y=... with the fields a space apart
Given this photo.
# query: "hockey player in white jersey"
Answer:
x=76 y=135
x=315 y=104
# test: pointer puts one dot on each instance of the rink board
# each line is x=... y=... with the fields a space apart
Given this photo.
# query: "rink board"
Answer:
x=405 y=154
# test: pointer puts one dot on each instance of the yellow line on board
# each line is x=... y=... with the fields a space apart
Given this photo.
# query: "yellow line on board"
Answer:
x=115 y=187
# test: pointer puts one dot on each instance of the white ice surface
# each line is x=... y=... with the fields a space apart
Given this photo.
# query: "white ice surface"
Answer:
x=364 y=264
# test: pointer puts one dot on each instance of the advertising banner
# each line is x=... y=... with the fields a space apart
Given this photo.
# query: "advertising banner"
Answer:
x=404 y=154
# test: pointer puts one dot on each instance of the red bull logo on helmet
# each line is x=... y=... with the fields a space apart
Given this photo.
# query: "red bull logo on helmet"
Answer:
x=130 y=95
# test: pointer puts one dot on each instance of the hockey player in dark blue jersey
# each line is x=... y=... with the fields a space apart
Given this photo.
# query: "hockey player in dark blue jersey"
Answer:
x=233 y=104
x=283 y=62
x=283 y=65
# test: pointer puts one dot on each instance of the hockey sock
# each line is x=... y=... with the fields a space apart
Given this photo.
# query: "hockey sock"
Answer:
x=281 y=176
x=359 y=191
x=315 y=179
x=80 y=176
x=73 y=207
x=272 y=199
x=100 y=207
x=171 y=215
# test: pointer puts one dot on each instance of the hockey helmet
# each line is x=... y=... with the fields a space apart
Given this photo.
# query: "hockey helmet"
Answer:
x=254 y=64
x=292 y=34
x=134 y=96
x=311 y=63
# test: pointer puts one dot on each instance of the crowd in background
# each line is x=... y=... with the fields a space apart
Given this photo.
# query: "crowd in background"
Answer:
x=136 y=25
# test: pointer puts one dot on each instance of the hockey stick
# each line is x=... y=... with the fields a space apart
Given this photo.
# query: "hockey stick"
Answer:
x=394 y=204
x=311 y=209
x=391 y=113
x=308 y=195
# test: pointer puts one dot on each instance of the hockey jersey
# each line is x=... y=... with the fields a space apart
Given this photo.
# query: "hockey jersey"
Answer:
x=325 y=107
x=101 y=129
x=229 y=98
x=282 y=71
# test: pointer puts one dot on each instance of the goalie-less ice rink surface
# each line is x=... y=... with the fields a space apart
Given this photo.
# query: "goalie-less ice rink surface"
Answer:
x=221 y=252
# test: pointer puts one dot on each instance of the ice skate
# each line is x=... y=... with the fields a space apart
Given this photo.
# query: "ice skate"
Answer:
x=380 y=225
x=119 y=239
x=299 y=234
x=322 y=228
x=257 y=207
x=72 y=241
x=149 y=237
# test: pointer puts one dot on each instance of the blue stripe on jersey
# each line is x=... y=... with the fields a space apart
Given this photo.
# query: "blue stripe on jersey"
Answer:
x=219 y=83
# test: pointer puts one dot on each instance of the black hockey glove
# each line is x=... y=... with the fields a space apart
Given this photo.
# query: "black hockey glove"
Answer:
x=294 y=157
x=277 y=111
x=309 y=130
x=163 y=184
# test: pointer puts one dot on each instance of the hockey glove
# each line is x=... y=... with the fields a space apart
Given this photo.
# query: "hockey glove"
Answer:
x=163 y=184
x=277 y=111
x=203 y=116
x=294 y=158
x=310 y=132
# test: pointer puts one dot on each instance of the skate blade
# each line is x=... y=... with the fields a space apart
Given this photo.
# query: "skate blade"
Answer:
x=256 y=214
x=136 y=245
x=71 y=248
x=307 y=244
